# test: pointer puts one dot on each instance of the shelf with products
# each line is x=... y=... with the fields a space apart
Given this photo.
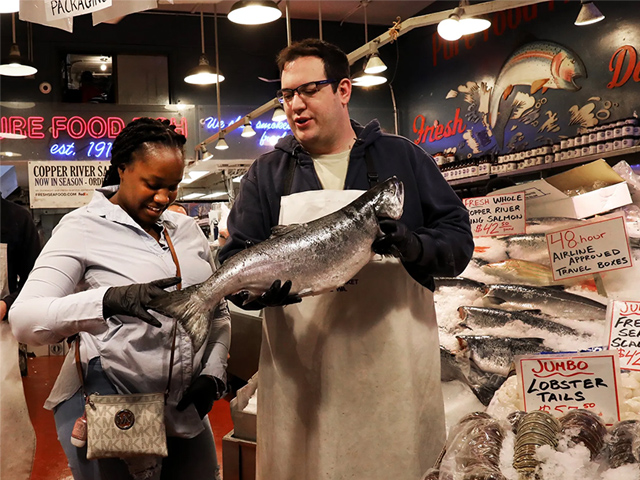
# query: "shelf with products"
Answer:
x=538 y=171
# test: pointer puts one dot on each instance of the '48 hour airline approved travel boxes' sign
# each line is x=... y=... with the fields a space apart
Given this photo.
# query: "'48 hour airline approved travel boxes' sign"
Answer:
x=64 y=184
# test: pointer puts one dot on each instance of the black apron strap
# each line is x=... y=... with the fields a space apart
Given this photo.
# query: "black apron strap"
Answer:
x=372 y=174
x=288 y=181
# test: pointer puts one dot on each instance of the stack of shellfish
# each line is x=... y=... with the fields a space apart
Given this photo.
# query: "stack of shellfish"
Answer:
x=585 y=427
x=532 y=431
x=623 y=445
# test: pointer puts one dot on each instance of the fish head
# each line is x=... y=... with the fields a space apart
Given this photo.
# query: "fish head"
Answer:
x=388 y=198
x=565 y=67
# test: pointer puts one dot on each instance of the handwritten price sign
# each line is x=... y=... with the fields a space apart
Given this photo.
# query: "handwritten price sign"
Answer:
x=624 y=332
x=587 y=249
x=558 y=383
x=496 y=215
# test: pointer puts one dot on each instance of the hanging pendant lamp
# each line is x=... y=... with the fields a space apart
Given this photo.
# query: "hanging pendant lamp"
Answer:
x=14 y=65
x=372 y=66
x=589 y=14
x=253 y=12
x=247 y=129
x=222 y=144
x=458 y=24
x=203 y=74
x=279 y=115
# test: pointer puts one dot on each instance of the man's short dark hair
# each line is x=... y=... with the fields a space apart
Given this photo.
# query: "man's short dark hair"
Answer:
x=336 y=63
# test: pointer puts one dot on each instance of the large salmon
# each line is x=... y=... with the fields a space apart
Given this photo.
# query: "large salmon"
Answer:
x=317 y=256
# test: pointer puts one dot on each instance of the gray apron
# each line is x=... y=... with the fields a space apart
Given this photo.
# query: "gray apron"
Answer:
x=17 y=437
x=349 y=381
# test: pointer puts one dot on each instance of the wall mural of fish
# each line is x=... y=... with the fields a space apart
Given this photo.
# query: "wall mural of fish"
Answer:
x=541 y=65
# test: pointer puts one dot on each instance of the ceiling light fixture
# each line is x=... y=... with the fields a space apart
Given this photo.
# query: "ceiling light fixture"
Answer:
x=14 y=65
x=457 y=25
x=222 y=144
x=251 y=12
x=206 y=155
x=278 y=115
x=374 y=64
x=203 y=74
x=589 y=14
x=9 y=6
x=10 y=154
x=368 y=78
x=247 y=130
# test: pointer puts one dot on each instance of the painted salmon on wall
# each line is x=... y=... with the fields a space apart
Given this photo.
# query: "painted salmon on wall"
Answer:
x=542 y=65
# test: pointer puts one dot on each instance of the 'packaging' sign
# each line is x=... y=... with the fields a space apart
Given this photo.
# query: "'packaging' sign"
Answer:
x=559 y=383
x=58 y=9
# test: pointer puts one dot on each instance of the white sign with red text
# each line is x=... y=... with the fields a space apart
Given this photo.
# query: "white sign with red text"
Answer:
x=596 y=247
x=624 y=332
x=559 y=383
x=495 y=215
x=64 y=184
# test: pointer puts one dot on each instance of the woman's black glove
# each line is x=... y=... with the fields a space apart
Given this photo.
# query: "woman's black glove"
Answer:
x=276 y=296
x=397 y=240
x=134 y=299
x=202 y=393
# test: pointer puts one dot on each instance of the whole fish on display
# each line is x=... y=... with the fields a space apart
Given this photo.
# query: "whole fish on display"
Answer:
x=316 y=257
x=460 y=283
x=520 y=271
x=551 y=301
x=478 y=318
x=496 y=354
x=483 y=384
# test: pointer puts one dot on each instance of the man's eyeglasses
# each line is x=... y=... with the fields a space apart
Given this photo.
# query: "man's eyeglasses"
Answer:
x=304 y=90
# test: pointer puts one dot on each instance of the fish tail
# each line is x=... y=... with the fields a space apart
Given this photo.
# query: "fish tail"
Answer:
x=190 y=310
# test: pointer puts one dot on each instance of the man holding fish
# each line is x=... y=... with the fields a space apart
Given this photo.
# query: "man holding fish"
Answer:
x=349 y=382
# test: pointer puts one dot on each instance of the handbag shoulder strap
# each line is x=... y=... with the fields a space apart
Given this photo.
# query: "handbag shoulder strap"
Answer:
x=175 y=322
x=173 y=332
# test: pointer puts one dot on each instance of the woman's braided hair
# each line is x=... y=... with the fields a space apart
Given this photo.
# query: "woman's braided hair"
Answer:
x=134 y=136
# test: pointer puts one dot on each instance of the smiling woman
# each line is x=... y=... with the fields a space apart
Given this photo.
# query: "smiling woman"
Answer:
x=95 y=278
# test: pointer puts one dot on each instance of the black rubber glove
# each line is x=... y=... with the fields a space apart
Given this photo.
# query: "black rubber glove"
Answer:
x=134 y=299
x=202 y=393
x=276 y=296
x=397 y=240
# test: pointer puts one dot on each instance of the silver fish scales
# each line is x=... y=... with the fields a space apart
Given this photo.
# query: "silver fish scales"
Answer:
x=316 y=257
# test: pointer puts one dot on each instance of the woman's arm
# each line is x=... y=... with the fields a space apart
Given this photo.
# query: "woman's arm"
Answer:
x=47 y=309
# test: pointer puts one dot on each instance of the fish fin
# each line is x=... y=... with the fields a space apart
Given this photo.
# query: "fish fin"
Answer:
x=538 y=84
x=507 y=92
x=280 y=230
x=189 y=311
x=544 y=90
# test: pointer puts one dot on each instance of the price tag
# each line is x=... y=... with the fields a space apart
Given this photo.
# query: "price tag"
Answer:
x=559 y=383
x=496 y=215
x=624 y=332
x=596 y=247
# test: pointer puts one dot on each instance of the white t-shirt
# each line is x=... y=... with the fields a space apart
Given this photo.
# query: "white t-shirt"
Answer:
x=332 y=169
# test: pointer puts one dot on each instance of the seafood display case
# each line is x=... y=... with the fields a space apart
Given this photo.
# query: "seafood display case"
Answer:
x=507 y=303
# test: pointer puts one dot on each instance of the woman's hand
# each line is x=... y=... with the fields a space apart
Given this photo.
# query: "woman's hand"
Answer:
x=134 y=299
